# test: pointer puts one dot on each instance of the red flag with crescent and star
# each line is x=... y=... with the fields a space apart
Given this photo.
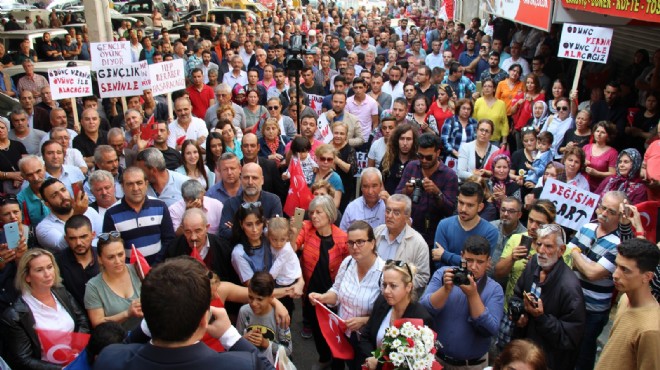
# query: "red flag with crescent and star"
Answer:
x=58 y=347
x=299 y=194
x=648 y=213
x=333 y=328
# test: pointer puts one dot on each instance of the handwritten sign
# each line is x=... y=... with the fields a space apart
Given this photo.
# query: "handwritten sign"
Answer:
x=110 y=54
x=126 y=80
x=167 y=77
x=70 y=82
x=574 y=206
x=145 y=82
x=587 y=43
x=316 y=103
x=362 y=161
x=323 y=130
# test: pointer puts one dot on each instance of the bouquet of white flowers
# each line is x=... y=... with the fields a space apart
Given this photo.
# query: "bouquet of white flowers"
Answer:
x=407 y=347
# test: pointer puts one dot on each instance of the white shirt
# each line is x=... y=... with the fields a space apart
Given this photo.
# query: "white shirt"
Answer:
x=356 y=297
x=50 y=231
x=72 y=135
x=395 y=92
x=232 y=80
x=172 y=191
x=69 y=176
x=48 y=318
x=433 y=60
x=523 y=63
x=286 y=266
x=377 y=151
x=74 y=158
x=196 y=129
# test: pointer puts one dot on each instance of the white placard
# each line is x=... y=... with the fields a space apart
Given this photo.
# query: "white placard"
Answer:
x=144 y=74
x=110 y=54
x=126 y=80
x=70 y=82
x=316 y=103
x=587 y=43
x=167 y=77
x=323 y=130
x=574 y=206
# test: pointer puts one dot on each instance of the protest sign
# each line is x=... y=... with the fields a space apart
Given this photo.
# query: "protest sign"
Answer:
x=323 y=131
x=574 y=206
x=110 y=54
x=126 y=80
x=316 y=103
x=144 y=73
x=361 y=160
x=586 y=43
x=167 y=77
x=70 y=82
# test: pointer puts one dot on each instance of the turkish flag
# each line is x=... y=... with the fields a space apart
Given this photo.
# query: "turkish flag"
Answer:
x=333 y=328
x=140 y=263
x=211 y=342
x=59 y=347
x=648 y=212
x=195 y=254
x=299 y=194
x=26 y=214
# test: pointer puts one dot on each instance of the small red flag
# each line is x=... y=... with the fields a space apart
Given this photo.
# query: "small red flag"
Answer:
x=26 y=214
x=299 y=194
x=195 y=254
x=61 y=347
x=140 y=263
x=333 y=328
x=648 y=212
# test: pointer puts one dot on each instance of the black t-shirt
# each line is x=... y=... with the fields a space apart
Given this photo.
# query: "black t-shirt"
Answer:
x=321 y=280
x=518 y=160
x=86 y=146
x=74 y=276
x=172 y=158
x=581 y=141
x=9 y=158
x=393 y=178
x=6 y=59
x=316 y=89
x=341 y=53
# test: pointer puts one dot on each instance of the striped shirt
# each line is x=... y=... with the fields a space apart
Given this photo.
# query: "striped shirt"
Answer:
x=150 y=229
x=598 y=293
x=356 y=297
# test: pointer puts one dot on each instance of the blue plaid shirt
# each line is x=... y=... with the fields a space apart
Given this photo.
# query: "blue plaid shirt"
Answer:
x=462 y=87
x=452 y=133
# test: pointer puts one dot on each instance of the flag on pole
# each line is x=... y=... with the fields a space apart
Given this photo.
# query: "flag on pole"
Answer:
x=333 y=328
x=299 y=194
x=140 y=263
x=61 y=347
x=648 y=212
x=26 y=214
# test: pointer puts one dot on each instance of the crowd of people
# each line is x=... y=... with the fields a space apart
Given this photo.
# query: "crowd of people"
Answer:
x=425 y=147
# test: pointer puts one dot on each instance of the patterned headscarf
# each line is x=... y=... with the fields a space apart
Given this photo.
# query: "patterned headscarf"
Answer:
x=635 y=158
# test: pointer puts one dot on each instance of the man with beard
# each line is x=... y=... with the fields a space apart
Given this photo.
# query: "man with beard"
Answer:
x=308 y=128
x=272 y=179
x=102 y=185
x=338 y=113
x=383 y=47
x=186 y=125
x=593 y=250
x=494 y=72
x=33 y=171
x=50 y=231
x=172 y=157
x=430 y=203
x=554 y=316
x=508 y=224
x=453 y=231
x=394 y=87
x=79 y=262
x=252 y=181
x=142 y=221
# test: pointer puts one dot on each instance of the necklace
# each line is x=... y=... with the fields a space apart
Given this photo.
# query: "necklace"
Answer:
x=5 y=148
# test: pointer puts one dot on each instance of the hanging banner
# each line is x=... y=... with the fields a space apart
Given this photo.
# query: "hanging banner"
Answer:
x=574 y=205
x=70 y=82
x=587 y=43
x=126 y=80
x=167 y=77
x=642 y=10
x=534 y=13
x=110 y=54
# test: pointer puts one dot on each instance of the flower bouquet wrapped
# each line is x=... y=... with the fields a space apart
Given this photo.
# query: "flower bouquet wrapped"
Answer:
x=408 y=346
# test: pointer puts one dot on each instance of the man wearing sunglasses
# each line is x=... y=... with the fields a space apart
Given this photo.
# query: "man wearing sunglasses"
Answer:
x=593 y=250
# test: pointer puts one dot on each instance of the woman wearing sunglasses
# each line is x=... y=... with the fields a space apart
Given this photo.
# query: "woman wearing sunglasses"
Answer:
x=357 y=284
x=326 y=157
x=324 y=247
x=558 y=124
x=114 y=294
x=287 y=126
x=397 y=301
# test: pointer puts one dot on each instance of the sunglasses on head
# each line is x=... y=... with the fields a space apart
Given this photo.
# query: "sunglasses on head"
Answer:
x=11 y=198
x=400 y=264
x=109 y=235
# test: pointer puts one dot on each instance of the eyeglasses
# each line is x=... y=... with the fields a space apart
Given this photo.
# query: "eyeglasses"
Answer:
x=109 y=235
x=508 y=210
x=395 y=212
x=356 y=243
x=555 y=228
x=563 y=107
x=400 y=264
x=248 y=205
x=608 y=210
x=273 y=107
x=427 y=158
x=326 y=159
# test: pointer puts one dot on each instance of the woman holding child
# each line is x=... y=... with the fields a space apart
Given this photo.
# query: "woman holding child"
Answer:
x=357 y=284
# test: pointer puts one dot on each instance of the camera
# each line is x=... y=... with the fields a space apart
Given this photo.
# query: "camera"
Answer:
x=516 y=308
x=461 y=275
x=418 y=187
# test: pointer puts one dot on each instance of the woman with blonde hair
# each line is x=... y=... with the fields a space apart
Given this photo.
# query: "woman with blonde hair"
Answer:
x=44 y=305
x=272 y=143
x=325 y=157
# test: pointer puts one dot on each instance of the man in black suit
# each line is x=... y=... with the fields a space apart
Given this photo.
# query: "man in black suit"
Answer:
x=176 y=338
x=273 y=182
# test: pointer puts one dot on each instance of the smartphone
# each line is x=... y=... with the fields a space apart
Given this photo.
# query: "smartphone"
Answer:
x=76 y=189
x=298 y=217
x=533 y=299
x=12 y=234
x=527 y=242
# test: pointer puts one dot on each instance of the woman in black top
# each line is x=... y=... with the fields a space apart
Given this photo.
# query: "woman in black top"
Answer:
x=345 y=162
x=10 y=153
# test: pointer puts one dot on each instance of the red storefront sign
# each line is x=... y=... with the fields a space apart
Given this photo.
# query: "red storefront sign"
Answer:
x=534 y=13
x=643 y=10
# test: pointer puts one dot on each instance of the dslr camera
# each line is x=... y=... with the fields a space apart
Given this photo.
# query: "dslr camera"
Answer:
x=461 y=274
x=418 y=188
x=516 y=308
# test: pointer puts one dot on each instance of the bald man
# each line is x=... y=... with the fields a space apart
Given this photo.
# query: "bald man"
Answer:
x=252 y=181
x=273 y=183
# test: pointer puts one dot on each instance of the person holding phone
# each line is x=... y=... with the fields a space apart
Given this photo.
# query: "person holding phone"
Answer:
x=10 y=213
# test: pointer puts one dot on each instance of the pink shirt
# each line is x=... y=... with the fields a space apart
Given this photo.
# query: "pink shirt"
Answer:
x=363 y=111
x=212 y=208
x=600 y=163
